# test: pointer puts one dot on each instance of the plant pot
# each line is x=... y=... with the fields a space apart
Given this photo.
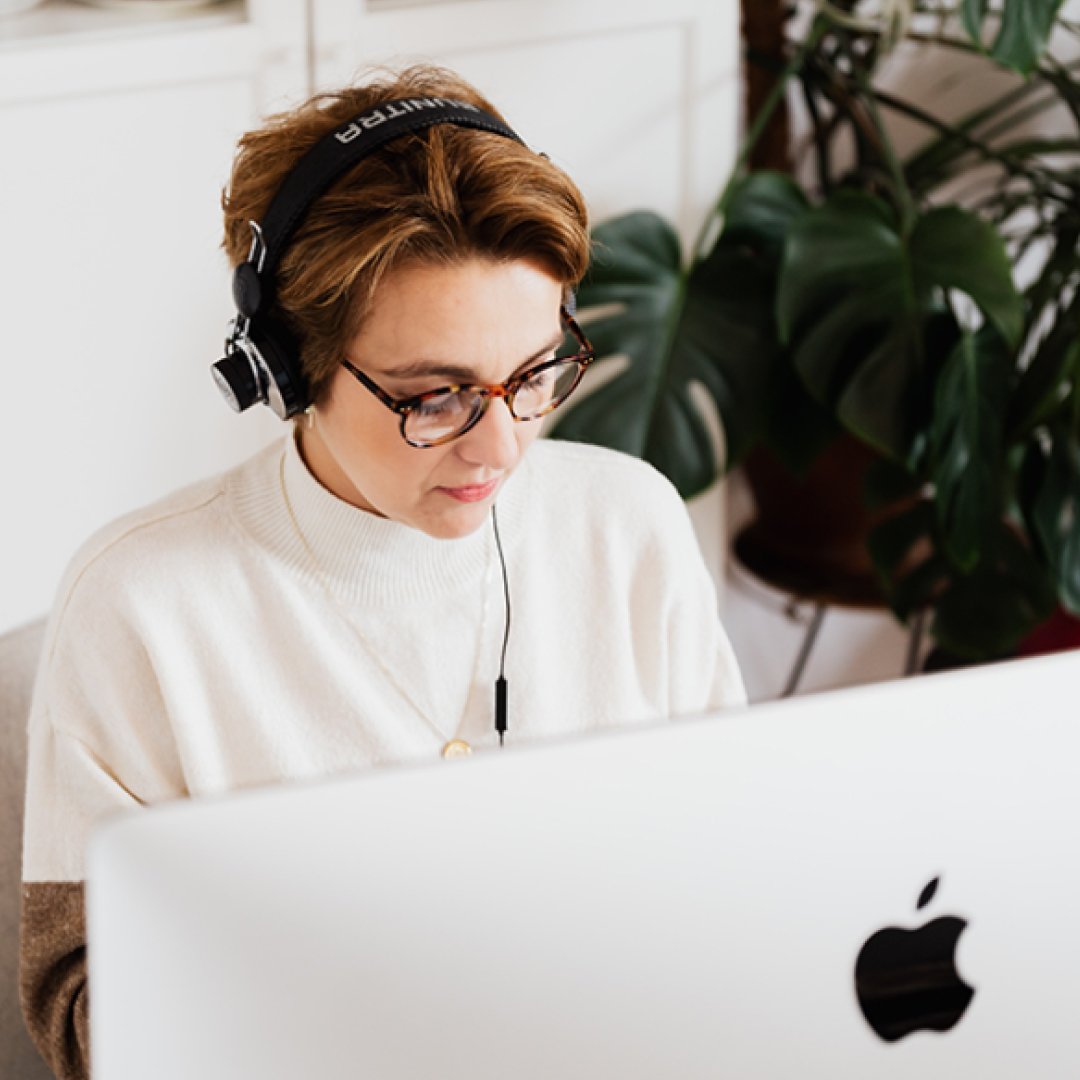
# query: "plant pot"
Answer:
x=1059 y=633
x=809 y=534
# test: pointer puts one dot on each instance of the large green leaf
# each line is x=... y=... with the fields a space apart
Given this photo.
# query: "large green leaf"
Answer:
x=1058 y=351
x=794 y=425
x=953 y=249
x=854 y=297
x=1050 y=499
x=636 y=266
x=760 y=212
x=967 y=453
x=1024 y=33
x=1043 y=383
x=984 y=615
x=843 y=283
x=711 y=326
x=973 y=12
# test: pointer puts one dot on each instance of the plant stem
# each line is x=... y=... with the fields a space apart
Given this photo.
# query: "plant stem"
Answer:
x=820 y=137
x=1038 y=178
x=904 y=200
x=817 y=32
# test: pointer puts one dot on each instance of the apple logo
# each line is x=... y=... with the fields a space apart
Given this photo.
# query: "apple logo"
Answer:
x=906 y=980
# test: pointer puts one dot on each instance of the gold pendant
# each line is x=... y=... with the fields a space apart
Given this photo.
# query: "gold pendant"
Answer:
x=456 y=748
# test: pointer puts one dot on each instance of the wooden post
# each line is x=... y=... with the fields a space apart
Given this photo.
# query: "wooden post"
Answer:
x=763 y=38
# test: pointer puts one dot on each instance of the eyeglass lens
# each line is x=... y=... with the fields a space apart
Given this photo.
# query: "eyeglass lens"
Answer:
x=441 y=417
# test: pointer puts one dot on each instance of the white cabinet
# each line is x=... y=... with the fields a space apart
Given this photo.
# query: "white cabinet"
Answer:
x=116 y=135
x=637 y=100
x=117 y=132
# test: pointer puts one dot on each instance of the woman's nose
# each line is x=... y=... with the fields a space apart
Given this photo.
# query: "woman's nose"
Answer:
x=493 y=442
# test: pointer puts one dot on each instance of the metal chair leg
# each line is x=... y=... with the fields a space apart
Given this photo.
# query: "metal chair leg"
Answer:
x=804 y=652
x=915 y=642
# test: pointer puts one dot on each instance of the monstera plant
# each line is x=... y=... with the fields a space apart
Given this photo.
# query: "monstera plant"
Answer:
x=863 y=295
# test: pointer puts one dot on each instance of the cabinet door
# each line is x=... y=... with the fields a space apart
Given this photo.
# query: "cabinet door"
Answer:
x=637 y=100
x=118 y=133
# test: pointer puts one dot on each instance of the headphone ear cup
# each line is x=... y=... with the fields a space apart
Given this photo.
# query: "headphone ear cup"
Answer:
x=237 y=377
x=287 y=393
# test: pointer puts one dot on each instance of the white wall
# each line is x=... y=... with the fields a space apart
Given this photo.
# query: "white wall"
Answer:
x=117 y=133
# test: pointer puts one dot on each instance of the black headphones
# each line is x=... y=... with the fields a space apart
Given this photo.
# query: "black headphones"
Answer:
x=262 y=359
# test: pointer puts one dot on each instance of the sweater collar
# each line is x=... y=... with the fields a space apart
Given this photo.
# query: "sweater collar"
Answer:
x=364 y=558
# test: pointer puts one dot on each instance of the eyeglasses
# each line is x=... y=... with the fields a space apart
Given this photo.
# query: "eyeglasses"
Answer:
x=438 y=416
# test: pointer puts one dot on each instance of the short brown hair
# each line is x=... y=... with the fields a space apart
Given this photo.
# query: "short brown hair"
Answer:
x=432 y=197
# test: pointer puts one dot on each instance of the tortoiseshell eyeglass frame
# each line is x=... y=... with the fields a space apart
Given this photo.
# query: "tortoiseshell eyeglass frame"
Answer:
x=404 y=406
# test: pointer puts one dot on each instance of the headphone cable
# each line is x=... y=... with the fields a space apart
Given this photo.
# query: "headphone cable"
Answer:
x=500 y=682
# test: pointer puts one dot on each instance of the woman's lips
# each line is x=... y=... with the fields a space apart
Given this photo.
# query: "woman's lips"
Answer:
x=471 y=492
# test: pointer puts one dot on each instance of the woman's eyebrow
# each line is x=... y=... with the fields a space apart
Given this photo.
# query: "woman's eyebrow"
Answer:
x=455 y=373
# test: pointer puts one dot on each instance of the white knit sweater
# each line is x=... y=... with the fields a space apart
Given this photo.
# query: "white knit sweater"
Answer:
x=255 y=628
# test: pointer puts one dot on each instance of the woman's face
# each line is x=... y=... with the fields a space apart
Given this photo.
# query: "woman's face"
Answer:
x=478 y=323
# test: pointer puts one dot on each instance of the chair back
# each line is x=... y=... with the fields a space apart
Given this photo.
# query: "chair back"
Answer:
x=19 y=652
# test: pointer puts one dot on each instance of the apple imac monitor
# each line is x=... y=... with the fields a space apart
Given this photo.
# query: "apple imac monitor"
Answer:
x=875 y=882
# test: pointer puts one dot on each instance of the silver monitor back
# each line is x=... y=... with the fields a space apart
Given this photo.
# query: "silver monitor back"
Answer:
x=685 y=901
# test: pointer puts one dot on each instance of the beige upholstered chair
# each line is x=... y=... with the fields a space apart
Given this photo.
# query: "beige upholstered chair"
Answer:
x=19 y=651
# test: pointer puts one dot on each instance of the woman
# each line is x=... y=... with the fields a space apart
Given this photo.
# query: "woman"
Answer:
x=344 y=599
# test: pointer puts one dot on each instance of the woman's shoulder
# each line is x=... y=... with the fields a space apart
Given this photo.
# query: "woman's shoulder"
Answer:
x=186 y=526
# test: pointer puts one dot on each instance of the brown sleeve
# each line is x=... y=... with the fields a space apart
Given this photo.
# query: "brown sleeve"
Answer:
x=52 y=975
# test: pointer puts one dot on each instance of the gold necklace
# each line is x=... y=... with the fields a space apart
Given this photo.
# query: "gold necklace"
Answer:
x=456 y=747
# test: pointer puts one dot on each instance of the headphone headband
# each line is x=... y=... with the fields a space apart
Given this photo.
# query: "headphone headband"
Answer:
x=342 y=148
